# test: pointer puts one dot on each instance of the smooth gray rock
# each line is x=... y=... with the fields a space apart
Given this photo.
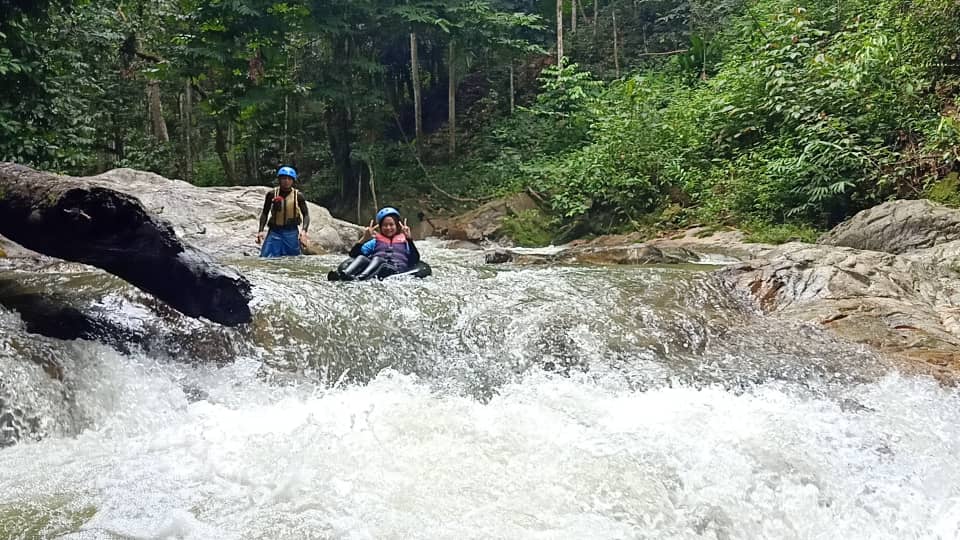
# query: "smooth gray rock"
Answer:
x=897 y=227
x=222 y=221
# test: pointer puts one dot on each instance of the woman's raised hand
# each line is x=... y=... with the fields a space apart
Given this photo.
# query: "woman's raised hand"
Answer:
x=369 y=231
x=404 y=228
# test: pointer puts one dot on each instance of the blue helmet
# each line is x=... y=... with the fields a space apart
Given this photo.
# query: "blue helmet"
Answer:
x=387 y=211
x=287 y=171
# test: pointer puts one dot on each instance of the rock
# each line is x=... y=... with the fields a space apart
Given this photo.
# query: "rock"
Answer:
x=893 y=303
x=486 y=221
x=497 y=256
x=428 y=227
x=630 y=254
x=82 y=221
x=946 y=254
x=47 y=315
x=222 y=220
x=13 y=250
x=463 y=244
x=692 y=245
x=897 y=227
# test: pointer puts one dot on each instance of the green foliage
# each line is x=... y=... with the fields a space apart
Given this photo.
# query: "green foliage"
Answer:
x=767 y=233
x=946 y=190
x=783 y=115
x=209 y=172
x=726 y=112
x=529 y=228
x=315 y=84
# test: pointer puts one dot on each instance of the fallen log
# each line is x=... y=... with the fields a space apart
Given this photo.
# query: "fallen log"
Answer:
x=76 y=220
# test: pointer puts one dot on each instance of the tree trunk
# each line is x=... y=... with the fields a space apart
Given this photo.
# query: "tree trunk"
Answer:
x=595 y=11
x=583 y=13
x=72 y=219
x=373 y=187
x=559 y=33
x=512 y=90
x=573 y=16
x=452 y=101
x=338 y=136
x=616 y=49
x=286 y=126
x=187 y=129
x=158 y=126
x=359 y=193
x=415 y=75
x=224 y=154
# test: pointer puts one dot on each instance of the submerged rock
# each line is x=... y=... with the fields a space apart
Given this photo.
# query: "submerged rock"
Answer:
x=463 y=244
x=638 y=253
x=497 y=256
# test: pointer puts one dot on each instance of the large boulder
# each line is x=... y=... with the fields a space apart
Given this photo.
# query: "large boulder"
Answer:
x=894 y=303
x=897 y=227
x=221 y=220
x=486 y=221
x=9 y=248
x=76 y=220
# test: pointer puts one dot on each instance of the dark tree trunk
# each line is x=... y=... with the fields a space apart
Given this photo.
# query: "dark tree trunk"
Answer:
x=559 y=33
x=415 y=76
x=338 y=135
x=75 y=220
x=452 y=102
x=224 y=154
x=187 y=128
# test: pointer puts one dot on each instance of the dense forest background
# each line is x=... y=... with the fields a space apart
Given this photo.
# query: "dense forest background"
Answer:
x=776 y=116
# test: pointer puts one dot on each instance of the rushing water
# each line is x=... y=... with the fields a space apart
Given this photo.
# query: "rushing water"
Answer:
x=483 y=402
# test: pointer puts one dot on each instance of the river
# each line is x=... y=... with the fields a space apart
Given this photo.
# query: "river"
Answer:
x=482 y=402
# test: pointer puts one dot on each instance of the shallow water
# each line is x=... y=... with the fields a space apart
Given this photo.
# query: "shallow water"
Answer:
x=483 y=402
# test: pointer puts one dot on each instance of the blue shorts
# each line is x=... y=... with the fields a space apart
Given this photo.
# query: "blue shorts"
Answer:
x=281 y=243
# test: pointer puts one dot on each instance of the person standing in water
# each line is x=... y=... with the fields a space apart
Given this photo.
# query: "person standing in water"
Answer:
x=285 y=210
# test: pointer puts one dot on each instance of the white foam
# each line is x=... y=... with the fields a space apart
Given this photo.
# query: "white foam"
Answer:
x=549 y=457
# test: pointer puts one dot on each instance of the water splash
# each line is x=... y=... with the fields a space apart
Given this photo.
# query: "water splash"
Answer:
x=539 y=402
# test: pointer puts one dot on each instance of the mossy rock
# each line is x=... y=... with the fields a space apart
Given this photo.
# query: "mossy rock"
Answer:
x=945 y=191
x=529 y=228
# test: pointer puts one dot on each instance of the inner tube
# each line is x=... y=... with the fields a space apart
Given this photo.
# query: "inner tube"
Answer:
x=419 y=270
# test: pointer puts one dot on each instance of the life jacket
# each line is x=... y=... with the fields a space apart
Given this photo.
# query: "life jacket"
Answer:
x=288 y=213
x=393 y=250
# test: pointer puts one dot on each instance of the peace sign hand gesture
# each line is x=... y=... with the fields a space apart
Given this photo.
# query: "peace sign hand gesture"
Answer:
x=405 y=228
x=369 y=231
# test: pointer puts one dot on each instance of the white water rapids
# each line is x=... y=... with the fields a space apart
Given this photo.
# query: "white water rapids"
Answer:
x=562 y=402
